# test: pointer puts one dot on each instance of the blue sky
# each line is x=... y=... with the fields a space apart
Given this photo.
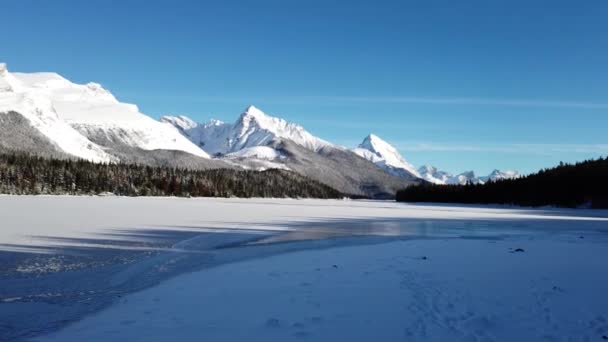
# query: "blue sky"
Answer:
x=457 y=84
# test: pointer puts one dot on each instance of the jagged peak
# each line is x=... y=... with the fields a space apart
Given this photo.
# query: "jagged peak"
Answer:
x=265 y=121
x=370 y=138
x=253 y=111
x=377 y=145
x=3 y=69
x=387 y=153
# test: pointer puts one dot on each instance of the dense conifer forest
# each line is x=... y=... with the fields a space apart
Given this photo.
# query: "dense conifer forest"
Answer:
x=24 y=174
x=583 y=184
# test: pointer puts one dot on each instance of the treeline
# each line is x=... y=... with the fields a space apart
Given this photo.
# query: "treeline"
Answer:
x=567 y=185
x=25 y=174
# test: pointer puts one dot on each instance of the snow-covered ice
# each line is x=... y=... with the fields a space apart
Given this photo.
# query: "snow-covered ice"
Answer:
x=431 y=290
x=156 y=269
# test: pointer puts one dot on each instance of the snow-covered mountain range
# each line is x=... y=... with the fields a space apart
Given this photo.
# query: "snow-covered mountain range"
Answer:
x=260 y=141
x=385 y=156
x=47 y=114
x=433 y=175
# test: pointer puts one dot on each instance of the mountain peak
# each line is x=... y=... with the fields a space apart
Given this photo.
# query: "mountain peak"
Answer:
x=252 y=110
x=3 y=69
x=385 y=153
x=370 y=138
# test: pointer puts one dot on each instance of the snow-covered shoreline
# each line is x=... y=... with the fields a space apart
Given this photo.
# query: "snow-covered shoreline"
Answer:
x=91 y=253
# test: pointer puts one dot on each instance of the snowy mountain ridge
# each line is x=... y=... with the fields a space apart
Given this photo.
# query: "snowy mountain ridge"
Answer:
x=252 y=128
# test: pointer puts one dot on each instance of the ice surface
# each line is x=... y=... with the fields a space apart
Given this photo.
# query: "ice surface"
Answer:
x=430 y=290
x=285 y=269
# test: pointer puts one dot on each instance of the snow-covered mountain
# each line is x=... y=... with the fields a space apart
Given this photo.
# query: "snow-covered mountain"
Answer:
x=29 y=96
x=498 y=175
x=433 y=175
x=259 y=141
x=253 y=128
x=85 y=120
x=385 y=156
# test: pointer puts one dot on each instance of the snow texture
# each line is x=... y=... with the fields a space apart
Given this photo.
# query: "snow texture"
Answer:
x=282 y=270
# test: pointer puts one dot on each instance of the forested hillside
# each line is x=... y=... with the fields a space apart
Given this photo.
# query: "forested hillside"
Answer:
x=23 y=174
x=567 y=185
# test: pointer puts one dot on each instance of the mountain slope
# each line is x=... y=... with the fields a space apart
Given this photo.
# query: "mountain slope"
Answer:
x=342 y=170
x=39 y=115
x=17 y=134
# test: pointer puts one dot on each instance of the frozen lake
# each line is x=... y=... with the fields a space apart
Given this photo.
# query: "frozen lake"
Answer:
x=109 y=268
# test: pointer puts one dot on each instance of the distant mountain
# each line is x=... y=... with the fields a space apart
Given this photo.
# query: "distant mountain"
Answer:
x=582 y=184
x=498 y=175
x=435 y=176
x=385 y=156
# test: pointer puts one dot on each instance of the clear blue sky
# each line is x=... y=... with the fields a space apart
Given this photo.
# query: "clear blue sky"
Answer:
x=457 y=84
